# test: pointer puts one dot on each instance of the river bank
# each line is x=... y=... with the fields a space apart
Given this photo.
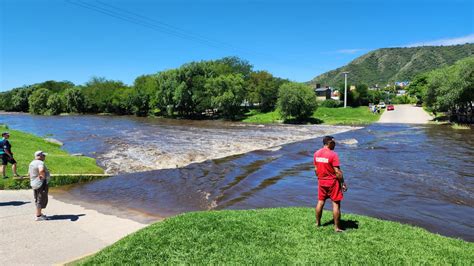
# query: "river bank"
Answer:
x=59 y=162
x=281 y=236
x=354 y=116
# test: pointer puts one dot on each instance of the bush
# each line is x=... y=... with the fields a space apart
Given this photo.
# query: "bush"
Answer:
x=296 y=100
x=331 y=103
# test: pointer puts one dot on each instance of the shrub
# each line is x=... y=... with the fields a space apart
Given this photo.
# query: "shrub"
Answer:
x=331 y=103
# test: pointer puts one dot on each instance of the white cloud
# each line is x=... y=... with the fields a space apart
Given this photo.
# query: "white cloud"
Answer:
x=450 y=41
x=348 y=51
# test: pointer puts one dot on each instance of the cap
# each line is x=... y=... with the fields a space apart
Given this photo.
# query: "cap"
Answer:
x=5 y=133
x=38 y=153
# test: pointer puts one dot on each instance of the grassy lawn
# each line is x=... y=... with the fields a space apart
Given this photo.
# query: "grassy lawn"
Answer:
x=281 y=236
x=346 y=116
x=58 y=161
x=263 y=118
x=333 y=116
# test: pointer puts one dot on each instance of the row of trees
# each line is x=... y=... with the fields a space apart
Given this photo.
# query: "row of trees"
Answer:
x=226 y=87
x=446 y=89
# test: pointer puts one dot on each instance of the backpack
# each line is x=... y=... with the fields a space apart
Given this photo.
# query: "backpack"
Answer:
x=2 y=145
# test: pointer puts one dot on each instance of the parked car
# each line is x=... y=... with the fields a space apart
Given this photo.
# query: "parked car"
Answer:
x=381 y=105
x=390 y=107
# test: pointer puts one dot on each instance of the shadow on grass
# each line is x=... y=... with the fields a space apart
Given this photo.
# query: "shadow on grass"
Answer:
x=71 y=217
x=345 y=224
x=14 y=203
x=310 y=120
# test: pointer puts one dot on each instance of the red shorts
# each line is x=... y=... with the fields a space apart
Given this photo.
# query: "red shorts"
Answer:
x=330 y=189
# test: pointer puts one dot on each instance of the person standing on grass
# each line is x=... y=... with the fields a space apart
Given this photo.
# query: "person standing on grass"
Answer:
x=39 y=178
x=7 y=155
x=330 y=181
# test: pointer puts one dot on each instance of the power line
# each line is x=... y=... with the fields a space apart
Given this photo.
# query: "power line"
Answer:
x=165 y=25
x=138 y=19
x=154 y=24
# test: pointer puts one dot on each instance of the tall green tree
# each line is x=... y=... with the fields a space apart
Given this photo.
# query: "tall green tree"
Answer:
x=54 y=104
x=263 y=90
x=140 y=103
x=455 y=89
x=227 y=94
x=146 y=87
x=167 y=81
x=363 y=94
x=296 y=100
x=99 y=93
x=233 y=65
x=19 y=99
x=74 y=100
x=419 y=86
x=6 y=101
x=55 y=86
x=38 y=101
x=122 y=101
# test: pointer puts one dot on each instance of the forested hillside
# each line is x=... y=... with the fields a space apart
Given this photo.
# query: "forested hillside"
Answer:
x=395 y=64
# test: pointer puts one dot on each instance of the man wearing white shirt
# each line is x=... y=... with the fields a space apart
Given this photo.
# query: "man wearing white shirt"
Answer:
x=39 y=177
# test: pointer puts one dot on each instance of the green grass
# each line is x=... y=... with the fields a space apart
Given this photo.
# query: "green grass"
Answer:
x=346 y=116
x=281 y=236
x=263 y=118
x=58 y=161
x=332 y=116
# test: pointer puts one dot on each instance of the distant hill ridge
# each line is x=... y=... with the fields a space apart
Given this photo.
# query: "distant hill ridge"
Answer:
x=386 y=65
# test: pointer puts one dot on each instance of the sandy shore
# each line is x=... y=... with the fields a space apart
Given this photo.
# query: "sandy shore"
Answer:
x=406 y=114
x=73 y=232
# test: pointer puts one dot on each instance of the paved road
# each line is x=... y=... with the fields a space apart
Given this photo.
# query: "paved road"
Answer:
x=406 y=114
x=73 y=233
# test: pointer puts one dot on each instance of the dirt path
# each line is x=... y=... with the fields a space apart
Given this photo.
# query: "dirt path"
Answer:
x=73 y=232
x=406 y=114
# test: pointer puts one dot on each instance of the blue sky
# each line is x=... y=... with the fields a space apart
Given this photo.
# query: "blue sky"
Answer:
x=122 y=39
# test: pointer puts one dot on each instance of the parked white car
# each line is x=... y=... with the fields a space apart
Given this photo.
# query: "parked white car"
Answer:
x=381 y=105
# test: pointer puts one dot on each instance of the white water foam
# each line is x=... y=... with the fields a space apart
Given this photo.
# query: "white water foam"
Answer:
x=173 y=148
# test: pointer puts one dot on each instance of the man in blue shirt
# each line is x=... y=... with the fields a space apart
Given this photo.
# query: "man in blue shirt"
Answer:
x=7 y=155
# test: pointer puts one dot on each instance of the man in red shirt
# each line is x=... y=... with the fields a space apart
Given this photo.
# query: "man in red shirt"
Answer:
x=330 y=181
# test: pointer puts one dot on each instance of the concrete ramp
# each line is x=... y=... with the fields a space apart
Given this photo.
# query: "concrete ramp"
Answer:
x=406 y=114
x=73 y=231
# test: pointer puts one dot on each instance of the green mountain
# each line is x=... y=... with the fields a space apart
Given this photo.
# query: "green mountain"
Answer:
x=386 y=65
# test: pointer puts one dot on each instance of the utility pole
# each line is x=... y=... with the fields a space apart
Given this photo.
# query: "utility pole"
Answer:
x=345 y=88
